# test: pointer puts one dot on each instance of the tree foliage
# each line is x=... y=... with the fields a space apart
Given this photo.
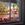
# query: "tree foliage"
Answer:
x=3 y=9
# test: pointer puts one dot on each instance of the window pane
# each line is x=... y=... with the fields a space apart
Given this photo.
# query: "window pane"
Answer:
x=5 y=10
x=14 y=12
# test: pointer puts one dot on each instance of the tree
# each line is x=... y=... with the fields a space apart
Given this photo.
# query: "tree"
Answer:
x=3 y=9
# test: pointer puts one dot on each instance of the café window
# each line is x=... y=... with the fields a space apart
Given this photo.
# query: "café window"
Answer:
x=10 y=10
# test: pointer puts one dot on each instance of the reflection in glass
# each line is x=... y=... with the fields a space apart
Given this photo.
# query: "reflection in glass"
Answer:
x=14 y=11
x=9 y=11
x=5 y=10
